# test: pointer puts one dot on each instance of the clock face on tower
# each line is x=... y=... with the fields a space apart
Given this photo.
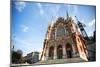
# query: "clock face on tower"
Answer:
x=60 y=32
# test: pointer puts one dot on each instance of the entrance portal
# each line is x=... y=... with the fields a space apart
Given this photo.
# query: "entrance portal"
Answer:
x=51 y=52
x=69 y=50
x=59 y=52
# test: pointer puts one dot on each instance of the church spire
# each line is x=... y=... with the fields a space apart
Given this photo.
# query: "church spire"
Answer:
x=52 y=22
x=67 y=16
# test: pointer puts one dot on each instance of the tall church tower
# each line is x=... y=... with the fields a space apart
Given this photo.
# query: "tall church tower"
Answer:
x=63 y=41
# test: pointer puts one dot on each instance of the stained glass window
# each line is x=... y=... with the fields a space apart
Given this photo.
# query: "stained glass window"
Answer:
x=60 y=31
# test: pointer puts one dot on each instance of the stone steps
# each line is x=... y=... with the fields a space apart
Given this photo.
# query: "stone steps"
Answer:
x=59 y=61
x=56 y=61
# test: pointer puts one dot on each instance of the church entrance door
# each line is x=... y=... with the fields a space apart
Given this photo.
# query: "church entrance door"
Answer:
x=59 y=52
x=69 y=50
x=51 y=52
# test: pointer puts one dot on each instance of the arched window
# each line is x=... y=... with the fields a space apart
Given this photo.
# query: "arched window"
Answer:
x=60 y=31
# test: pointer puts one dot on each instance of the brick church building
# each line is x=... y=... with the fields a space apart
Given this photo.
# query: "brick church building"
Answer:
x=63 y=41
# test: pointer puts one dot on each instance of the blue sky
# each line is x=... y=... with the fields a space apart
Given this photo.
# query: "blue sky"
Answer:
x=30 y=21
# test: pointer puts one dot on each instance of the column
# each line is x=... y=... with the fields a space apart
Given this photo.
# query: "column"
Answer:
x=75 y=54
x=64 y=52
x=73 y=49
x=47 y=54
x=55 y=52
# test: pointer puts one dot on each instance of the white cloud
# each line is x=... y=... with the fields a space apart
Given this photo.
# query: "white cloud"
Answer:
x=68 y=7
x=40 y=8
x=91 y=23
x=24 y=28
x=57 y=8
x=90 y=27
x=73 y=9
x=54 y=11
x=41 y=12
x=20 y=6
x=22 y=41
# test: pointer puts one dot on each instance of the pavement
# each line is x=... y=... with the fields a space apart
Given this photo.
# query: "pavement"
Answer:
x=56 y=61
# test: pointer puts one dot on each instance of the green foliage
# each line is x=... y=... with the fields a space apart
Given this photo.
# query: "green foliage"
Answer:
x=16 y=57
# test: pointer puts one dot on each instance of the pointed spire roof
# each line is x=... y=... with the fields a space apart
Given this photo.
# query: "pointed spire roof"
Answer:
x=52 y=22
x=67 y=15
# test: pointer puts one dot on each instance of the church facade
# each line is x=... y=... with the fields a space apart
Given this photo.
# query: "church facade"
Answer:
x=63 y=40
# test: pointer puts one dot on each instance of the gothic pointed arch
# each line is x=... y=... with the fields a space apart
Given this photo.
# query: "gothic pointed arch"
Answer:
x=51 y=52
x=59 y=52
x=69 y=50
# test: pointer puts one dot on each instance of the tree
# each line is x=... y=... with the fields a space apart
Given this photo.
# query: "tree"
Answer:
x=17 y=56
